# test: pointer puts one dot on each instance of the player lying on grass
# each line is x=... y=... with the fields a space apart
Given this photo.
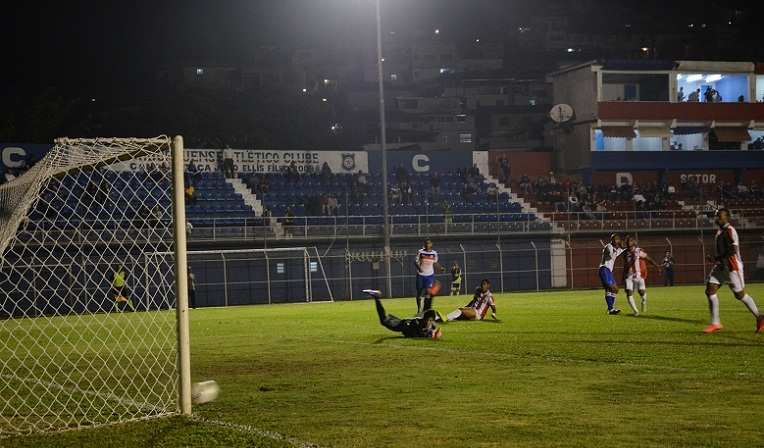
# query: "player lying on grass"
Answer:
x=728 y=268
x=418 y=327
x=610 y=252
x=635 y=274
x=478 y=306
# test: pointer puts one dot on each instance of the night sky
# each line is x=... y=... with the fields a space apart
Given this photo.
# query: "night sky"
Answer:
x=57 y=55
x=83 y=41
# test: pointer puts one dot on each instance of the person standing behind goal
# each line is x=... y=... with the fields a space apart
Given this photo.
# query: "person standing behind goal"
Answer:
x=456 y=279
x=121 y=293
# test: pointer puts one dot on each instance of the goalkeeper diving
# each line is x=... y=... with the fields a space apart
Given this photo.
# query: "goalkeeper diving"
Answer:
x=417 y=327
x=478 y=306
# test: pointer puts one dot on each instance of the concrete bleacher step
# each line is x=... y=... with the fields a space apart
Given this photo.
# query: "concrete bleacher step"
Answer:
x=249 y=198
x=526 y=207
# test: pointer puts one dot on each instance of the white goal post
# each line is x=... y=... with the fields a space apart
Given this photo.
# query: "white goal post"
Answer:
x=89 y=334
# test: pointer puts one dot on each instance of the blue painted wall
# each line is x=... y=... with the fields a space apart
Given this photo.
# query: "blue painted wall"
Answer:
x=676 y=160
x=732 y=86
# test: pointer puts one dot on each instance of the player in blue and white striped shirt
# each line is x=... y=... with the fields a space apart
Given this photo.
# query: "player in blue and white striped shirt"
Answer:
x=426 y=262
x=610 y=252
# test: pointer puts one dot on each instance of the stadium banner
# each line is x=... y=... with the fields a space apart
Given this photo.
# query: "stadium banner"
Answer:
x=421 y=161
x=275 y=161
x=269 y=161
x=15 y=155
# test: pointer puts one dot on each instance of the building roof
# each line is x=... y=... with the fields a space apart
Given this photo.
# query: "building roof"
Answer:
x=637 y=65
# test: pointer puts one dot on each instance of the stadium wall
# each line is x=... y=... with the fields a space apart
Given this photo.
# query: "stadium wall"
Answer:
x=511 y=265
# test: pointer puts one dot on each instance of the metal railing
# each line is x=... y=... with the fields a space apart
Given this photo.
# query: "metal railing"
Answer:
x=489 y=223
x=518 y=265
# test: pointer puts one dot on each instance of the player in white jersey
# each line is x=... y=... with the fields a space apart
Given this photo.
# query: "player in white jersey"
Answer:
x=635 y=274
x=478 y=306
x=426 y=262
x=610 y=253
x=728 y=268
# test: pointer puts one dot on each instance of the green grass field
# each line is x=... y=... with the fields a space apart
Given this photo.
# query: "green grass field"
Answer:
x=554 y=372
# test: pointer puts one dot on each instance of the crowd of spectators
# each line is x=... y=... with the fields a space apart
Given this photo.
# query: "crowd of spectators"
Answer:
x=472 y=180
x=571 y=195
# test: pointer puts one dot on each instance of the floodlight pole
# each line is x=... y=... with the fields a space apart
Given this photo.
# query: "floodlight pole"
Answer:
x=383 y=148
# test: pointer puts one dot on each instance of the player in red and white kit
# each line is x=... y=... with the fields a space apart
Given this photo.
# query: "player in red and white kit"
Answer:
x=728 y=268
x=635 y=274
x=478 y=306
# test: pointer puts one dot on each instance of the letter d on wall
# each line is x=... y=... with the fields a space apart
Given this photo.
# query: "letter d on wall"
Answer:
x=420 y=163
x=624 y=179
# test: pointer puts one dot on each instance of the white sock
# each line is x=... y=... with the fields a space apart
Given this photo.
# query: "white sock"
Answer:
x=644 y=297
x=453 y=315
x=751 y=305
x=713 y=307
x=633 y=306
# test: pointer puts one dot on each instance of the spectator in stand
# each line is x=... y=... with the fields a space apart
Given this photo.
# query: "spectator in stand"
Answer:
x=435 y=183
x=192 y=169
x=469 y=191
x=680 y=95
x=407 y=194
x=473 y=172
x=332 y=205
x=741 y=99
x=266 y=215
x=552 y=179
x=326 y=174
x=668 y=269
x=525 y=184
x=694 y=96
x=395 y=194
x=493 y=192
x=292 y=172
x=264 y=187
x=252 y=182
x=401 y=174
x=708 y=96
x=504 y=171
x=289 y=217
x=228 y=167
x=190 y=194
x=363 y=183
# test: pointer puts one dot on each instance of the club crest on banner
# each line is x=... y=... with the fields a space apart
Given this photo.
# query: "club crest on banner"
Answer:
x=348 y=161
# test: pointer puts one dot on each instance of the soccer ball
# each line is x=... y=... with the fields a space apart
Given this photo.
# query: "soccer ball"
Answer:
x=204 y=392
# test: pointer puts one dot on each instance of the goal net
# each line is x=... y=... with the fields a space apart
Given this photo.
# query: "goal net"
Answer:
x=83 y=341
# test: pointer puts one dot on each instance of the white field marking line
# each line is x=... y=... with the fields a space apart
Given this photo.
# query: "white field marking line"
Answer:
x=92 y=393
x=506 y=355
x=249 y=429
x=242 y=428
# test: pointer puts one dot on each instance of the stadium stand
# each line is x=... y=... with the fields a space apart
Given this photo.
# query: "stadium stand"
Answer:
x=217 y=201
x=576 y=206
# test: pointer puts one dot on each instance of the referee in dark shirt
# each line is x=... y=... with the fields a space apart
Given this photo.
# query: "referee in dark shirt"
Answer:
x=668 y=269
